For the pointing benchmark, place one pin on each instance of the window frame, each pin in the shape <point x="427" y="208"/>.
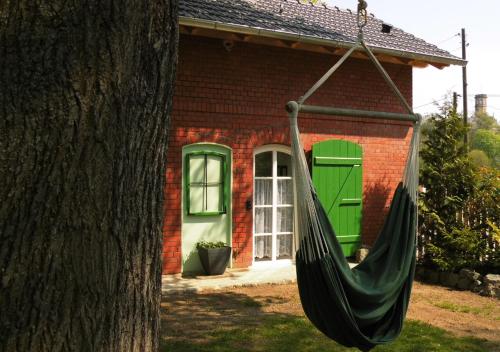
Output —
<point x="224" y="183"/>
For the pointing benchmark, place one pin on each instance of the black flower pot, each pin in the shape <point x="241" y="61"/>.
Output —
<point x="214" y="260"/>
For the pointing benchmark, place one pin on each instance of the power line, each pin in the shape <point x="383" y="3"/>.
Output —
<point x="489" y="95"/>
<point x="458" y="48"/>
<point x="432" y="102"/>
<point x="450" y="38"/>
<point x="469" y="97"/>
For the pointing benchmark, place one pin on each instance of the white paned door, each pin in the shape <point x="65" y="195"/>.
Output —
<point x="273" y="206"/>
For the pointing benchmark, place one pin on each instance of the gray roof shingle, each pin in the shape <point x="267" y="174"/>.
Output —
<point x="331" y="24"/>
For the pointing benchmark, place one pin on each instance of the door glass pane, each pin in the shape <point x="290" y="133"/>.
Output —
<point x="284" y="246"/>
<point x="284" y="164"/>
<point x="284" y="219"/>
<point x="196" y="198"/>
<point x="264" y="164"/>
<point x="197" y="168"/>
<point x="214" y="168"/>
<point x="285" y="191"/>
<point x="263" y="250"/>
<point x="213" y="198"/>
<point x="263" y="192"/>
<point x="263" y="220"/>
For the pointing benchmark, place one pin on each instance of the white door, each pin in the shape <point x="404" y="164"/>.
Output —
<point x="273" y="206"/>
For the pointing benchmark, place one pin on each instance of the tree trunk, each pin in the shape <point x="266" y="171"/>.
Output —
<point x="85" y="95"/>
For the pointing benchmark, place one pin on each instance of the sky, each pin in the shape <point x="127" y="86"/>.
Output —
<point x="439" y="22"/>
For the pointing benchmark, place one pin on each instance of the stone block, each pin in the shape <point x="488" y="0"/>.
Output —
<point x="476" y="286"/>
<point x="361" y="254"/>
<point x="464" y="283"/>
<point x="470" y="274"/>
<point x="491" y="286"/>
<point x="449" y="279"/>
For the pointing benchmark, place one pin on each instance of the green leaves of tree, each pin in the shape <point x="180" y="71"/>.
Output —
<point x="460" y="208"/>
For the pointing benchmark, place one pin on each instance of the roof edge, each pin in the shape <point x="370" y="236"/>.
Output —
<point x="261" y="32"/>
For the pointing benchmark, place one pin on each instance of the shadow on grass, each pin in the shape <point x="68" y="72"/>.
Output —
<point x="228" y="321"/>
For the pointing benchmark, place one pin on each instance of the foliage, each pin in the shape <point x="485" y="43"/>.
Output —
<point x="485" y="136"/>
<point x="206" y="244"/>
<point x="484" y="122"/>
<point x="489" y="142"/>
<point x="460" y="208"/>
<point x="446" y="172"/>
<point x="484" y="206"/>
<point x="462" y="247"/>
<point x="479" y="158"/>
<point x="483" y="213"/>
<point x="425" y="128"/>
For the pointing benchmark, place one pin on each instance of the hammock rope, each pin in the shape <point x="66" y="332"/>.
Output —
<point x="365" y="306"/>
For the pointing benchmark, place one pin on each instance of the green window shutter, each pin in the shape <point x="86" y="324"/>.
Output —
<point x="205" y="180"/>
<point x="338" y="179"/>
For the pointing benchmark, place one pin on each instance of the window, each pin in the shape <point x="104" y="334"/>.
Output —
<point x="205" y="183"/>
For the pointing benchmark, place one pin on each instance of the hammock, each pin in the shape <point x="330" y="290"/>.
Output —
<point x="365" y="306"/>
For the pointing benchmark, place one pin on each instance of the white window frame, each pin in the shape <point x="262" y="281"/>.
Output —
<point x="274" y="148"/>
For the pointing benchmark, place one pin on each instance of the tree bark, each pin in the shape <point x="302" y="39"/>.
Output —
<point x="85" y="95"/>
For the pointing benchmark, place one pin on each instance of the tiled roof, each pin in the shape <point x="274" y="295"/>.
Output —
<point x="316" y="21"/>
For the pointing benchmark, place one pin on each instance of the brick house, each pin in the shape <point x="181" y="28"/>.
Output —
<point x="228" y="174"/>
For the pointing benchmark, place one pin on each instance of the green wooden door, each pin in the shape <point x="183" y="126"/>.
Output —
<point x="337" y="177"/>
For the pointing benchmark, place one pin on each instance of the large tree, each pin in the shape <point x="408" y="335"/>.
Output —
<point x="85" y="94"/>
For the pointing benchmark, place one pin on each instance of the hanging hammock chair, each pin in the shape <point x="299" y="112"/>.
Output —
<point x="365" y="306"/>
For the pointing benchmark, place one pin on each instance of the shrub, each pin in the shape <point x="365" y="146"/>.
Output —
<point x="460" y="248"/>
<point x="206" y="244"/>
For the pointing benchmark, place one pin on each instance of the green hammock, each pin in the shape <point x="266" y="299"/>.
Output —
<point x="365" y="306"/>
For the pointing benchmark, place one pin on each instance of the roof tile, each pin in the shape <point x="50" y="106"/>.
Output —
<point x="305" y="19"/>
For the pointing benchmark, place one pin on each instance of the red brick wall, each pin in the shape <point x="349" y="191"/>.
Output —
<point x="237" y="98"/>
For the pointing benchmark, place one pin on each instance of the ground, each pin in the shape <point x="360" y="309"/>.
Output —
<point x="270" y="318"/>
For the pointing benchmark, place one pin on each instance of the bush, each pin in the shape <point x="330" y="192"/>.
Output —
<point x="483" y="215"/>
<point x="461" y="248"/>
<point x="205" y="244"/>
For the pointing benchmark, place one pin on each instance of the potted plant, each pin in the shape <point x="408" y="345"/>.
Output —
<point x="214" y="256"/>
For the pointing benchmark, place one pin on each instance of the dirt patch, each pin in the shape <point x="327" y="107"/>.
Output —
<point x="189" y="314"/>
<point x="461" y="312"/>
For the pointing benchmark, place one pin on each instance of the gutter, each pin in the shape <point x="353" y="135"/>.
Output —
<point x="261" y="32"/>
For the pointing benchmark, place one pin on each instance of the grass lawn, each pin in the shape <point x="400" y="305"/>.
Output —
<point x="486" y="311"/>
<point x="287" y="334"/>
<point x="270" y="318"/>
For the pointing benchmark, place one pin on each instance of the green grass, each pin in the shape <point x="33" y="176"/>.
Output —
<point x="485" y="311"/>
<point x="297" y="334"/>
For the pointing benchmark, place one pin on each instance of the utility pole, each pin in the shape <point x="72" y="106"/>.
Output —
<point x="464" y="82"/>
